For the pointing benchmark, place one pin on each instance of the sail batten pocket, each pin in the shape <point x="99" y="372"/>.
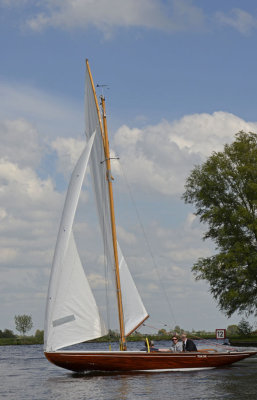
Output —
<point x="64" y="320"/>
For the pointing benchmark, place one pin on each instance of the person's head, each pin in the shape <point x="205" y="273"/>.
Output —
<point x="174" y="339"/>
<point x="183" y="337"/>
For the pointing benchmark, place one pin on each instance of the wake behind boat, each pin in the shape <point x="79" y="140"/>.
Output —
<point x="72" y="313"/>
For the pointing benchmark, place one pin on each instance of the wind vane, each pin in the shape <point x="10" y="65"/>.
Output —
<point x="103" y="87"/>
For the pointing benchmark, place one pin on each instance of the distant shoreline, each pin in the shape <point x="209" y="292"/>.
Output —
<point x="31" y="340"/>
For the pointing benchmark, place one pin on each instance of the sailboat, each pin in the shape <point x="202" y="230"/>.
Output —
<point x="72" y="313"/>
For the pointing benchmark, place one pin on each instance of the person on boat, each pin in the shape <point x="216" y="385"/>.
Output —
<point x="187" y="344"/>
<point x="176" y="346"/>
<point x="151" y="346"/>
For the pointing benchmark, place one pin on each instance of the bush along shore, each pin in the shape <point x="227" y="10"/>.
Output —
<point x="38" y="338"/>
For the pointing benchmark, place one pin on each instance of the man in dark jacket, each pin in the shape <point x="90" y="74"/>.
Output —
<point x="187" y="344"/>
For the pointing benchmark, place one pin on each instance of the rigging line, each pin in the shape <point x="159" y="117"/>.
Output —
<point x="151" y="326"/>
<point x="160" y="323"/>
<point x="149" y="247"/>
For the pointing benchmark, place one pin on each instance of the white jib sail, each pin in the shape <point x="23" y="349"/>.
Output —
<point x="133" y="307"/>
<point x="72" y="315"/>
<point x="134" y="310"/>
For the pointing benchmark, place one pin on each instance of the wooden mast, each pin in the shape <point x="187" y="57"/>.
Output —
<point x="114" y="236"/>
<point x="104" y="133"/>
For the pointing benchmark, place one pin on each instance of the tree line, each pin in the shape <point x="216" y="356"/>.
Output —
<point x="244" y="328"/>
<point x="23" y="324"/>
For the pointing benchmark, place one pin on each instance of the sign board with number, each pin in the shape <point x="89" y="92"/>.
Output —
<point x="220" y="333"/>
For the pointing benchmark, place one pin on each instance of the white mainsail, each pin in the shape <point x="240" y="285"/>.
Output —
<point x="133" y="307"/>
<point x="72" y="315"/>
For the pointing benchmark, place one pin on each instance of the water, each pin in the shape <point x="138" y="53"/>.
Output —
<point x="25" y="374"/>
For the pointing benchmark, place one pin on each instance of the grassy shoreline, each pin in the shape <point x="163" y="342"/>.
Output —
<point x="19" y="341"/>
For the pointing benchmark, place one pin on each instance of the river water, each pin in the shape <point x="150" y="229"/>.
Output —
<point x="25" y="374"/>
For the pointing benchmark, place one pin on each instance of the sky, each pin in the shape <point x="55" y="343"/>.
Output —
<point x="181" y="82"/>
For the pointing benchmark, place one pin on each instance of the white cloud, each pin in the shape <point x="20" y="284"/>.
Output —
<point x="30" y="209"/>
<point x="105" y="15"/>
<point x="158" y="158"/>
<point x="8" y="255"/>
<point x="20" y="142"/>
<point x="68" y="150"/>
<point x="96" y="281"/>
<point x="69" y="14"/>
<point x="238" y="19"/>
<point x="125" y="236"/>
<point x="28" y="216"/>
<point x="22" y="182"/>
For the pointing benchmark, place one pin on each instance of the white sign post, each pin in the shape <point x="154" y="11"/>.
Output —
<point x="221" y="334"/>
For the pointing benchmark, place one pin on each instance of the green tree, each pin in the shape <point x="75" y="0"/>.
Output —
<point x="244" y="328"/>
<point x="113" y="334"/>
<point x="224" y="192"/>
<point x="7" y="333"/>
<point x="232" y="330"/>
<point x="178" y="330"/>
<point x="162" y="331"/>
<point x="39" y="335"/>
<point x="23" y="323"/>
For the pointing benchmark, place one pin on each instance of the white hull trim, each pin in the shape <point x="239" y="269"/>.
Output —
<point x="175" y="369"/>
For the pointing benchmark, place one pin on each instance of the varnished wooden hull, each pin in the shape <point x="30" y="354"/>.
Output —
<point x="140" y="361"/>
